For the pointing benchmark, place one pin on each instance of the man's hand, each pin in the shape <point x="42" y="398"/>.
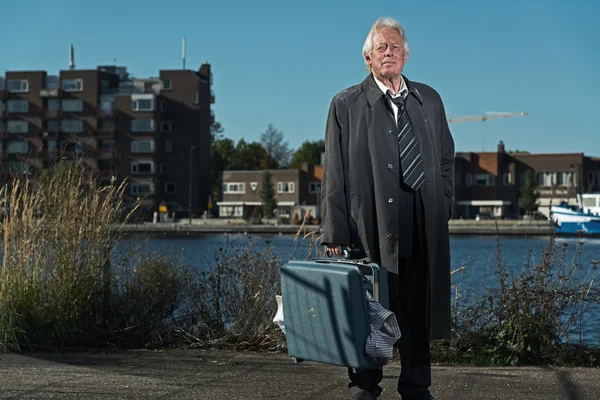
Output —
<point x="335" y="249"/>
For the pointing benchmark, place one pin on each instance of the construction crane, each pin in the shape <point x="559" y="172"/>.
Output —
<point x="488" y="115"/>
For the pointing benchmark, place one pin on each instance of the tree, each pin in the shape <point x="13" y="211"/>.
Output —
<point x="309" y="152"/>
<point x="222" y="152"/>
<point x="267" y="195"/>
<point x="529" y="193"/>
<point x="249" y="157"/>
<point x="278" y="149"/>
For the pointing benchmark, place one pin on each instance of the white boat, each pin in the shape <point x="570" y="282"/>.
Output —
<point x="572" y="219"/>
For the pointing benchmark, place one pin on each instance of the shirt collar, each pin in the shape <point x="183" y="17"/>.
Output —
<point x="403" y="89"/>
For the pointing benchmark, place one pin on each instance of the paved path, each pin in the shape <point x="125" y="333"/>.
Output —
<point x="191" y="374"/>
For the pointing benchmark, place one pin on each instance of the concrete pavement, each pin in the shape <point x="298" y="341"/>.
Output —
<point x="212" y="375"/>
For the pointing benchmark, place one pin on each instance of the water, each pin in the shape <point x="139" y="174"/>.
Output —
<point x="475" y="254"/>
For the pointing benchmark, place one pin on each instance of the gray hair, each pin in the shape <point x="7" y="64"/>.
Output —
<point x="383" y="22"/>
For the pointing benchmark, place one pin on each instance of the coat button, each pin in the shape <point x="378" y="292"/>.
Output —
<point x="390" y="133"/>
<point x="389" y="236"/>
<point x="390" y="166"/>
<point x="390" y="200"/>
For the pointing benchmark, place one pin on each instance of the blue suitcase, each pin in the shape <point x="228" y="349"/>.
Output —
<point x="325" y="309"/>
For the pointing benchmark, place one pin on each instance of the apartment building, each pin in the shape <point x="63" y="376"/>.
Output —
<point x="296" y="192"/>
<point x="491" y="182"/>
<point x="154" y="132"/>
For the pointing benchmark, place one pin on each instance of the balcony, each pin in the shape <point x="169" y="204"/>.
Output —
<point x="50" y="92"/>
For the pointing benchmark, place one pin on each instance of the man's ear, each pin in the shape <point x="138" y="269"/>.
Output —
<point x="367" y="58"/>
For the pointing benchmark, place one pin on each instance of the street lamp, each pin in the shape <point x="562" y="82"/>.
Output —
<point x="190" y="183"/>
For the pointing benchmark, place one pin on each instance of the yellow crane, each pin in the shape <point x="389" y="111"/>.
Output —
<point x="488" y="115"/>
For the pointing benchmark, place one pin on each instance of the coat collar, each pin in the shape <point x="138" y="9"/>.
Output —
<point x="374" y="93"/>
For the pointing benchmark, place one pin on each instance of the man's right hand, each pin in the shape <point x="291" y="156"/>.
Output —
<point x="335" y="249"/>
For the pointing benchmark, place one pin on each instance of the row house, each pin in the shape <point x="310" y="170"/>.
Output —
<point x="490" y="182"/>
<point x="296" y="191"/>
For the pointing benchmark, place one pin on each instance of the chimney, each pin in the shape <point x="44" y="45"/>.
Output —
<point x="501" y="147"/>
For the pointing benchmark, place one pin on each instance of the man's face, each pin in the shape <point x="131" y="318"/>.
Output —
<point x="387" y="58"/>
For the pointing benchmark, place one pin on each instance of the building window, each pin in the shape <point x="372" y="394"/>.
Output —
<point x="170" y="188"/>
<point x="231" y="211"/>
<point x="17" y="85"/>
<point x="17" y="106"/>
<point x="51" y="82"/>
<point x="546" y="179"/>
<point x="166" y="84"/>
<point x="141" y="189"/>
<point x="168" y="146"/>
<point x="593" y="177"/>
<point x="71" y="125"/>
<point x="314" y="187"/>
<point x="53" y="104"/>
<point x="17" y="147"/>
<point x="51" y="145"/>
<point x="196" y="98"/>
<point x="17" y="126"/>
<point x="234" y="187"/>
<point x="142" y="146"/>
<point x="142" y="167"/>
<point x="72" y="85"/>
<point x="107" y="144"/>
<point x="469" y="180"/>
<point x="142" y="105"/>
<point x="484" y="180"/>
<point x="163" y="106"/>
<point x="106" y="105"/>
<point x="285" y="187"/>
<point x="142" y="125"/>
<point x="53" y="125"/>
<point x="72" y="105"/>
<point x="165" y="126"/>
<point x="566" y="179"/>
<point x="506" y="179"/>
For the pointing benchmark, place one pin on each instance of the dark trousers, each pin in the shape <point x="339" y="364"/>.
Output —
<point x="408" y="301"/>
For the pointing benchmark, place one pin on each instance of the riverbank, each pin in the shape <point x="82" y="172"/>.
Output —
<point x="457" y="227"/>
<point x="208" y="375"/>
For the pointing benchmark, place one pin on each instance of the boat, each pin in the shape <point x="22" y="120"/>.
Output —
<point x="585" y="218"/>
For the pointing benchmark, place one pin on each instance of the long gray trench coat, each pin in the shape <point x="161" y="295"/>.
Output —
<point x="361" y="180"/>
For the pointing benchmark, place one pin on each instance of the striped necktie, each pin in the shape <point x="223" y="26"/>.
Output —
<point x="408" y="147"/>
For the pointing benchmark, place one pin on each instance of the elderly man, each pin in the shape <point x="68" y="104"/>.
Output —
<point x="388" y="193"/>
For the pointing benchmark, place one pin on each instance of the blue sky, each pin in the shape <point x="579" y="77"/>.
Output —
<point x="281" y="62"/>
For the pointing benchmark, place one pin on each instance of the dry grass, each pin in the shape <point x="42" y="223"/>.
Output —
<point x="59" y="286"/>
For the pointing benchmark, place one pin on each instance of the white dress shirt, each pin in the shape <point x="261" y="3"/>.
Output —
<point x="402" y="92"/>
